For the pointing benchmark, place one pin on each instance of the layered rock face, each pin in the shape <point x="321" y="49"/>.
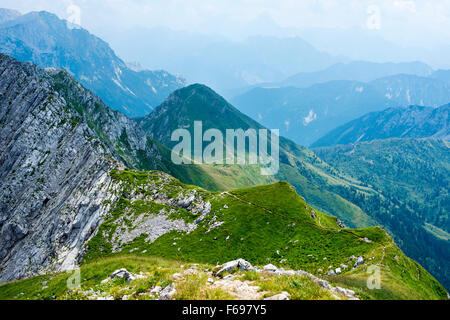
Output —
<point x="53" y="173"/>
<point x="59" y="144"/>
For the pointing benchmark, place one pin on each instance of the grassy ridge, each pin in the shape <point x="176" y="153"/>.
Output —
<point x="311" y="177"/>
<point x="266" y="224"/>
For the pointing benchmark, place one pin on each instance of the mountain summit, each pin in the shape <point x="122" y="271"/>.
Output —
<point x="196" y="102"/>
<point x="88" y="58"/>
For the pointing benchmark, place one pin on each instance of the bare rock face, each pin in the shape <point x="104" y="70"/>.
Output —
<point x="54" y="175"/>
<point x="59" y="144"/>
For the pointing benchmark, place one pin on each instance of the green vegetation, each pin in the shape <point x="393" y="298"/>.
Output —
<point x="155" y="272"/>
<point x="413" y="177"/>
<point x="398" y="275"/>
<point x="266" y="224"/>
<point x="54" y="286"/>
<point x="298" y="287"/>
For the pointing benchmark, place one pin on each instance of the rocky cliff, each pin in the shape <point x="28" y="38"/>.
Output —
<point x="53" y="171"/>
<point x="59" y="143"/>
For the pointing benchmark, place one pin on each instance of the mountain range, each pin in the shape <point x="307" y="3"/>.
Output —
<point x="67" y="199"/>
<point x="311" y="177"/>
<point x="410" y="122"/>
<point x="361" y="71"/>
<point x="307" y="114"/>
<point x="330" y="189"/>
<point x="88" y="58"/>
<point x="236" y="63"/>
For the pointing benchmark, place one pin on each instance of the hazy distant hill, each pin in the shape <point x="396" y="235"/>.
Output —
<point x="307" y="114"/>
<point x="443" y="75"/>
<point x="356" y="71"/>
<point x="408" y="90"/>
<point x="219" y="62"/>
<point x="8" y="14"/>
<point x="411" y="122"/>
<point x="46" y="40"/>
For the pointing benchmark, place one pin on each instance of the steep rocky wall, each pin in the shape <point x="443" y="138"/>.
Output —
<point x="53" y="173"/>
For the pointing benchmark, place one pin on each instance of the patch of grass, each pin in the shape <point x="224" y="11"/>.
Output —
<point x="192" y="287"/>
<point x="159" y="272"/>
<point x="217" y="294"/>
<point x="299" y="287"/>
<point x="251" y="276"/>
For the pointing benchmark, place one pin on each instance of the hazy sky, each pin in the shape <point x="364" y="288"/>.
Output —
<point x="407" y="22"/>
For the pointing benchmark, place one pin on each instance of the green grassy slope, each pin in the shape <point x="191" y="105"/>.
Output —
<point x="158" y="272"/>
<point x="266" y="224"/>
<point x="312" y="178"/>
<point x="414" y="175"/>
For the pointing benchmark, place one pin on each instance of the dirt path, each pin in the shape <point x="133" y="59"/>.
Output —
<point x="384" y="254"/>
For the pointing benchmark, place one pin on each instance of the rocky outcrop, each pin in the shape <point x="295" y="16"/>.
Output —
<point x="240" y="264"/>
<point x="54" y="174"/>
<point x="59" y="144"/>
<point x="271" y="269"/>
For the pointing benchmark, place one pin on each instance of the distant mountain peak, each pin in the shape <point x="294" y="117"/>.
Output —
<point x="89" y="59"/>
